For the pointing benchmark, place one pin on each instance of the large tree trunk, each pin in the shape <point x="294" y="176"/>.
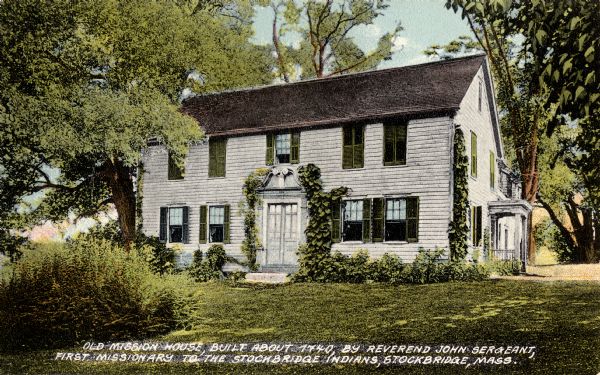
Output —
<point x="123" y="197"/>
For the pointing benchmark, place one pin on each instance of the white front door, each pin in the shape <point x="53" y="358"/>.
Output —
<point x="282" y="234"/>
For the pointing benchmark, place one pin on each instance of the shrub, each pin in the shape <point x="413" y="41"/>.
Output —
<point x="210" y="268"/>
<point x="61" y="294"/>
<point x="428" y="267"/>
<point x="160" y="258"/>
<point x="505" y="267"/>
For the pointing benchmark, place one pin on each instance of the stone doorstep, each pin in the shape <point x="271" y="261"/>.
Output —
<point x="268" y="278"/>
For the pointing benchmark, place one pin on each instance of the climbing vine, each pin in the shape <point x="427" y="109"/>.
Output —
<point x="458" y="230"/>
<point x="251" y="242"/>
<point x="315" y="255"/>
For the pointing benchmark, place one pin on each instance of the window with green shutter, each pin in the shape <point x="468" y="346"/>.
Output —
<point x="217" y="149"/>
<point x="394" y="145"/>
<point x="473" y="154"/>
<point x="378" y="222"/>
<point x="401" y="219"/>
<point x="492" y="170"/>
<point x="174" y="225"/>
<point x="283" y="148"/>
<point x="174" y="172"/>
<point x="353" y="147"/>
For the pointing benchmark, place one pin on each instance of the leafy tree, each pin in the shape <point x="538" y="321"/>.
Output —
<point x="324" y="29"/>
<point x="87" y="83"/>
<point x="554" y="67"/>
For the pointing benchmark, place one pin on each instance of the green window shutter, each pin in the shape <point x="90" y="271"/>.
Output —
<point x="217" y="149"/>
<point x="173" y="171"/>
<point x="401" y="131"/>
<point x="359" y="143"/>
<point x="226" y="225"/>
<point x="203" y="228"/>
<point x="295" y="148"/>
<point x="412" y="219"/>
<point x="378" y="220"/>
<point x="222" y="157"/>
<point x="348" y="149"/>
<point x="335" y="222"/>
<point x="492" y="170"/>
<point x="473" y="154"/>
<point x="366" y="237"/>
<point x="270" y="156"/>
<point x="162" y="230"/>
<point x="185" y="226"/>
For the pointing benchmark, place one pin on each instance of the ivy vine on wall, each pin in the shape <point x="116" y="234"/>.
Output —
<point x="251" y="242"/>
<point x="458" y="229"/>
<point x="315" y="255"/>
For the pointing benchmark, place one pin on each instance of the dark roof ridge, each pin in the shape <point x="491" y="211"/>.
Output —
<point x="339" y="77"/>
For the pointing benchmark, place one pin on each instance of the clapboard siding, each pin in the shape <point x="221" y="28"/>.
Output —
<point x="469" y="118"/>
<point x="426" y="175"/>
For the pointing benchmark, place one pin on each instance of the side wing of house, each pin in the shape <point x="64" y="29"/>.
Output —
<point x="488" y="178"/>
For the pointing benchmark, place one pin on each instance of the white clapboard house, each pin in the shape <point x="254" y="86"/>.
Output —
<point x="387" y="135"/>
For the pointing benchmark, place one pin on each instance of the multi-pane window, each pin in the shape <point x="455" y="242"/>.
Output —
<point x="394" y="148"/>
<point x="173" y="224"/>
<point x="473" y="154"/>
<point x="282" y="148"/>
<point x="353" y="149"/>
<point x="395" y="220"/>
<point x="216" y="223"/>
<point x="174" y="172"/>
<point x="353" y="220"/>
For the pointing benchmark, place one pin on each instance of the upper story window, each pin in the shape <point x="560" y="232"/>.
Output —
<point x="492" y="170"/>
<point x="283" y="148"/>
<point x="353" y="220"/>
<point x="394" y="148"/>
<point x="353" y="149"/>
<point x="174" y="172"/>
<point x="480" y="96"/>
<point x="173" y="224"/>
<point x="217" y="157"/>
<point x="473" y="154"/>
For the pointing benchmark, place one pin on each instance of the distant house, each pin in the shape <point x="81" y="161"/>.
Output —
<point x="387" y="135"/>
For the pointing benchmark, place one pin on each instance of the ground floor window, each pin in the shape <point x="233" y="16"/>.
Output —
<point x="173" y="224"/>
<point x="476" y="232"/>
<point x="216" y="218"/>
<point x="353" y="220"/>
<point x="395" y="220"/>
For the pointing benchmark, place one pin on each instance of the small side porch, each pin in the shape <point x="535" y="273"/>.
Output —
<point x="509" y="228"/>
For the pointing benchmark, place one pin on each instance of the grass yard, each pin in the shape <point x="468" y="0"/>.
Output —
<point x="562" y="319"/>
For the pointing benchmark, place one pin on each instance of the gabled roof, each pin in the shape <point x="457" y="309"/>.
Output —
<point x="417" y="90"/>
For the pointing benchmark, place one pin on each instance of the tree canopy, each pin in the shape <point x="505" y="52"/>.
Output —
<point x="87" y="83"/>
<point x="324" y="30"/>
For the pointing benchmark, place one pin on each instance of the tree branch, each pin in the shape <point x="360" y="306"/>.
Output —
<point x="563" y="230"/>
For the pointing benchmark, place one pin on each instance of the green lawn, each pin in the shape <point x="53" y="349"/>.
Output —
<point x="562" y="319"/>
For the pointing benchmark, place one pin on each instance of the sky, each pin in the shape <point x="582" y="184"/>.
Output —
<point x="425" y="22"/>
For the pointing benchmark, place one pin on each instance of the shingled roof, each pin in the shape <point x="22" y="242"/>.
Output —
<point x="416" y="90"/>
